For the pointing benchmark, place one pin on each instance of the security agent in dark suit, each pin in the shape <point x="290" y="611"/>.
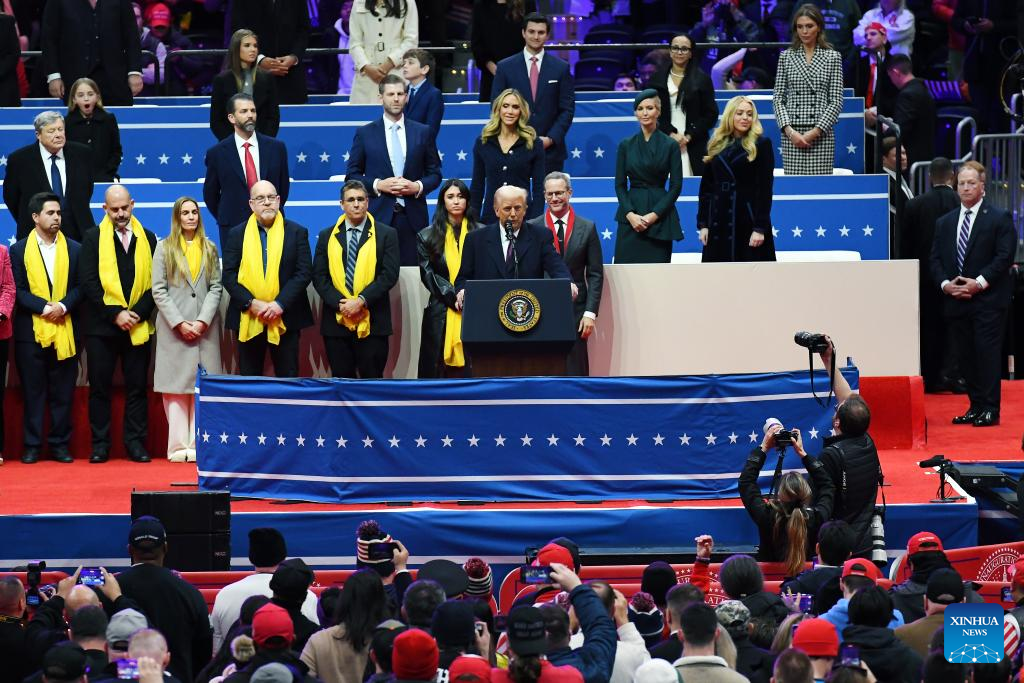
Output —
<point x="283" y="28"/>
<point x="108" y="328"/>
<point x="108" y="51"/>
<point x="356" y="347"/>
<point x="489" y="254"/>
<point x="289" y="306"/>
<point x="920" y="215"/>
<point x="552" y="98"/>
<point x="970" y="263"/>
<point x="33" y="169"/>
<point x="914" y="111"/>
<point x="396" y="159"/>
<point x="48" y="379"/>
<point x="229" y="176"/>
<point x="577" y="241"/>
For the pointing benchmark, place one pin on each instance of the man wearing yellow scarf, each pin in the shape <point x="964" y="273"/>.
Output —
<point x="355" y="266"/>
<point x="116" y="277"/>
<point x="267" y="268"/>
<point x="45" y="265"/>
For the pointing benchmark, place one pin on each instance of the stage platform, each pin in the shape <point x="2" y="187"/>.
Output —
<point x="72" y="514"/>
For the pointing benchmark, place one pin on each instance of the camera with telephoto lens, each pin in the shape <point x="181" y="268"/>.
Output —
<point x="33" y="577"/>
<point x="815" y="342"/>
<point x="784" y="437"/>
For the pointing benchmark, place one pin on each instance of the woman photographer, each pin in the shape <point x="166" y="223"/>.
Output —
<point x="788" y="522"/>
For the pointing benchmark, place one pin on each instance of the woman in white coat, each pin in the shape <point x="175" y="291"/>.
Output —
<point x="187" y="291"/>
<point x="380" y="32"/>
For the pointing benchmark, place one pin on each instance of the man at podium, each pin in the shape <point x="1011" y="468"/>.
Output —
<point x="509" y="249"/>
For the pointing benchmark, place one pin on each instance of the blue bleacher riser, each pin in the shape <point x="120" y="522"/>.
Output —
<point x="169" y="143"/>
<point x="810" y="213"/>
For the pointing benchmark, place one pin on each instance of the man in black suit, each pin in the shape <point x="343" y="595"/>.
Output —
<point x="55" y="165"/>
<point x="545" y="82"/>
<point x="238" y="162"/>
<point x="283" y="28"/>
<point x="98" y="40"/>
<point x="46" y="336"/>
<point x="356" y="318"/>
<point x="920" y="215"/>
<point x="266" y="319"/>
<point x="10" y="54"/>
<point x="970" y="262"/>
<point x="488" y="254"/>
<point x="915" y="109"/>
<point x="118" y="330"/>
<point x="577" y="241"/>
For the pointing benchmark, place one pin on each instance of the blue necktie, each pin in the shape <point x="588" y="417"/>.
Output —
<point x="351" y="253"/>
<point x="961" y="244"/>
<point x="58" y="187"/>
<point x="397" y="157"/>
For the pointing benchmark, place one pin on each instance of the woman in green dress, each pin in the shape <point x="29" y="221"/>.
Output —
<point x="647" y="216"/>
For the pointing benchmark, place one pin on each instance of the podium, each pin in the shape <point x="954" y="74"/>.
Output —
<point x="518" y="328"/>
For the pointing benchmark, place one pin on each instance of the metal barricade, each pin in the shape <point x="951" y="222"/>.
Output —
<point x="1002" y="156"/>
<point x="919" y="181"/>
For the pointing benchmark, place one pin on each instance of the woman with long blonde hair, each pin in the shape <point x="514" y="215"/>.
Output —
<point x="187" y="291"/>
<point x="788" y="521"/>
<point x="507" y="153"/>
<point x="734" y="204"/>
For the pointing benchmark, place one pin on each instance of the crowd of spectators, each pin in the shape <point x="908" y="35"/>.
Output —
<point x="831" y="622"/>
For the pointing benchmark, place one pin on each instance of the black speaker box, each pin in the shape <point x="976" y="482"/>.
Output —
<point x="199" y="552"/>
<point x="198" y="525"/>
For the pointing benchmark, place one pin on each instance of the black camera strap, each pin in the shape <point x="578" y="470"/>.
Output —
<point x="831" y="377"/>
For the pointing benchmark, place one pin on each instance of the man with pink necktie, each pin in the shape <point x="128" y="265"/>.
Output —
<point x="545" y="82"/>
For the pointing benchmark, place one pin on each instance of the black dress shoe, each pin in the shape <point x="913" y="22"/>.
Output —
<point x="30" y="456"/>
<point x="967" y="418"/>
<point x="61" y="454"/>
<point x="98" y="457"/>
<point x="138" y="455"/>
<point x="958" y="386"/>
<point x="986" y="418"/>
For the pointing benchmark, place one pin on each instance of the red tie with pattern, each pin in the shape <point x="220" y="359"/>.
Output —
<point x="534" y="77"/>
<point x="251" y="178"/>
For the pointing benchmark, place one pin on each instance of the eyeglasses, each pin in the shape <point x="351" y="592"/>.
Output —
<point x="682" y="49"/>
<point x="556" y="194"/>
<point x="268" y="199"/>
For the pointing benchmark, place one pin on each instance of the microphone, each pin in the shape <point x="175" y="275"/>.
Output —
<point x="508" y="230"/>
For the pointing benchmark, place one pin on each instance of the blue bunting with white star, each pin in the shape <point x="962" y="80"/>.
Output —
<point x="538" y="439"/>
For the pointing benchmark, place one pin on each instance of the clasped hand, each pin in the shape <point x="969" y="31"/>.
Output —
<point x="353" y="309"/>
<point x="641" y="223"/>
<point x="126" y="319"/>
<point x="962" y="288"/>
<point x="398" y="186"/>
<point x="266" y="311"/>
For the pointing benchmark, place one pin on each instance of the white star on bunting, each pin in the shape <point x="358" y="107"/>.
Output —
<point x="446" y="441"/>
<point x="394" y="441"/>
<point x="367" y="442"/>
<point x="262" y="439"/>
<point x="342" y="442"/>
<point x="851" y="148"/>
<point x="606" y="234"/>
<point x="206" y="438"/>
<point x="599" y="153"/>
<point x="631" y="439"/>
<point x="421" y="442"/>
<point x="733" y="437"/>
<point x="579" y="439"/>
<point x="775" y="231"/>
<point x="345" y="156"/>
<point x="473" y="441"/>
<point x="844" y="231"/>
<point x="576" y="152"/>
<point x="684" y="440"/>
<point x="3" y="161"/>
<point x="280" y="439"/>
<point x="711" y="439"/>
<point x="606" y="440"/>
<point x="820" y="231"/>
<point x="163" y="159"/>
<point x="658" y="439"/>
<point x="300" y="440"/>
<point x="325" y="157"/>
<point x="242" y="438"/>
<point x="462" y="155"/>
<point x="186" y="158"/>
<point x="499" y="440"/>
<point x="224" y="437"/>
<point x="798" y="231"/>
<point x="11" y="240"/>
<point x="753" y="437"/>
<point x="813" y="432"/>
<point x="141" y="159"/>
<point x="527" y="440"/>
<point x="552" y="440"/>
<point x="300" y="157"/>
<point x="441" y="155"/>
<point x="868" y="230"/>
<point x="320" y="440"/>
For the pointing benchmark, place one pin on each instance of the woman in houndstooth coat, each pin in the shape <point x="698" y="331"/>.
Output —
<point x="808" y="96"/>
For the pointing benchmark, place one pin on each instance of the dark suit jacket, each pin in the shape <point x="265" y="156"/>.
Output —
<point x="484" y="259"/>
<point x="376" y="294"/>
<point x="225" y="191"/>
<point x="73" y="50"/>
<point x="427" y="107"/>
<point x="98" y="316"/>
<point x="920" y="216"/>
<point x="368" y="162"/>
<point x="27" y="175"/>
<point x="101" y="135"/>
<point x="584" y="260"/>
<point x="10" y="53"/>
<point x="283" y="28"/>
<point x="294" y="276"/>
<point x="915" y="114"/>
<point x="698" y="102"/>
<point x="28" y="303"/>
<point x="552" y="111"/>
<point x="264" y="94"/>
<point x="859" y="73"/>
<point x="989" y="253"/>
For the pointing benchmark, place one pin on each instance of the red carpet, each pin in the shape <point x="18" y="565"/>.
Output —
<point x="48" y="487"/>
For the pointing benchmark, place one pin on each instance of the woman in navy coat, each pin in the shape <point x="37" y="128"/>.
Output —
<point x="507" y="153"/>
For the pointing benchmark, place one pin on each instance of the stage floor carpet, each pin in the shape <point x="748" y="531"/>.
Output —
<point x="39" y="500"/>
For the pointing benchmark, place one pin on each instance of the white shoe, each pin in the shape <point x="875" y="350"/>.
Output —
<point x="190" y="455"/>
<point x="178" y="456"/>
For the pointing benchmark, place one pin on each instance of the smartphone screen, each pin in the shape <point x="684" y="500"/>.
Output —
<point x="500" y="623"/>
<point x="128" y="669"/>
<point x="849" y="655"/>
<point x="381" y="551"/>
<point x="535" y="575"/>
<point x="91" y="576"/>
<point x="1007" y="594"/>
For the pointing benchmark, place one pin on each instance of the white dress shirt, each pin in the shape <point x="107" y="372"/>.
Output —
<point x="529" y="55"/>
<point x="388" y="123"/>
<point x="504" y="239"/>
<point x="254" y="149"/>
<point x="975" y="210"/>
<point x="61" y="166"/>
<point x="49" y="253"/>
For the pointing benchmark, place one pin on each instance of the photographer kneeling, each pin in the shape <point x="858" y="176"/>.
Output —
<point x="851" y="460"/>
<point x="787" y="522"/>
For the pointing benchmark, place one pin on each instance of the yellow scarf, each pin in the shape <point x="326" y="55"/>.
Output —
<point x="60" y="335"/>
<point x="453" y="353"/>
<point x="110" y="278"/>
<point x="263" y="286"/>
<point x="193" y="255"/>
<point x="366" y="268"/>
